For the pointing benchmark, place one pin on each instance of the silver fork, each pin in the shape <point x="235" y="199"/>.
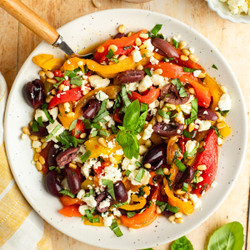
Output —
<point x="39" y="26"/>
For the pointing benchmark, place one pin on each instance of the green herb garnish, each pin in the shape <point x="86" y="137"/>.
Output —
<point x="140" y="175"/>
<point x="110" y="186"/>
<point x="85" y="156"/>
<point x="194" y="112"/>
<point x="147" y="71"/>
<point x="180" y="165"/>
<point x="110" y="54"/>
<point x="115" y="228"/>
<point x="180" y="88"/>
<point x="67" y="192"/>
<point x="214" y="66"/>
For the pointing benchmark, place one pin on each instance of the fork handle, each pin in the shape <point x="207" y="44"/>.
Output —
<point x="30" y="19"/>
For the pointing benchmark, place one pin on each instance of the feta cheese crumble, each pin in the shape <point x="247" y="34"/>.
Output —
<point x="136" y="54"/>
<point x="225" y="102"/>
<point x="101" y="96"/>
<point x="98" y="82"/>
<point x="148" y="132"/>
<point x="203" y="125"/>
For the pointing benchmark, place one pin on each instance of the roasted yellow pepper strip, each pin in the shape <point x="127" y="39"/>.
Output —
<point x="98" y="224"/>
<point x="108" y="71"/>
<point x="47" y="61"/>
<point x="138" y="203"/>
<point x="184" y="206"/>
<point x="225" y="131"/>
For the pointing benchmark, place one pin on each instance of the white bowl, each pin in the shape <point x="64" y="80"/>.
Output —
<point x="223" y="11"/>
<point x="92" y="29"/>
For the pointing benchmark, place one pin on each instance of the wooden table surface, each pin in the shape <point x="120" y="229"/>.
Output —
<point x="233" y="40"/>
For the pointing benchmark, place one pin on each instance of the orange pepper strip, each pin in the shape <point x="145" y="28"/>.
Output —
<point x="149" y="98"/>
<point x="97" y="224"/>
<point x="68" y="201"/>
<point x="184" y="206"/>
<point x="70" y="211"/>
<point x="138" y="203"/>
<point x="145" y="218"/>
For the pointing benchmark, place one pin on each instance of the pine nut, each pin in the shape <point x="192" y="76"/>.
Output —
<point x="158" y="210"/>
<point x="144" y="36"/>
<point x="26" y="130"/>
<point x="49" y="98"/>
<point x="148" y="53"/>
<point x="202" y="75"/>
<point x="161" y="103"/>
<point x="165" y="171"/>
<point x="138" y="41"/>
<point x="171" y="218"/>
<point x="221" y="118"/>
<point x="158" y="71"/>
<point x="53" y="92"/>
<point x="182" y="44"/>
<point x="72" y="165"/>
<point x="200" y="179"/>
<point x="142" y="149"/>
<point x="121" y="29"/>
<point x="43" y="139"/>
<point x="179" y="192"/>
<point x="148" y="143"/>
<point x="100" y="49"/>
<point x="202" y="167"/>
<point x="159" y="118"/>
<point x="191" y="127"/>
<point x="52" y="81"/>
<point x="61" y="87"/>
<point x="191" y="91"/>
<point x="179" y="220"/>
<point x="39" y="166"/>
<point x="49" y="74"/>
<point x="73" y="86"/>
<point x="113" y="47"/>
<point x="130" y="34"/>
<point x="143" y="46"/>
<point x="194" y="58"/>
<point x="36" y="157"/>
<point x="41" y="73"/>
<point x="102" y="141"/>
<point x="44" y="145"/>
<point x="184" y="58"/>
<point x="147" y="165"/>
<point x="139" y="67"/>
<point x="34" y="138"/>
<point x="83" y="135"/>
<point x="178" y="215"/>
<point x="122" y="58"/>
<point x="220" y="125"/>
<point x="41" y="160"/>
<point x="186" y="52"/>
<point x="38" y="150"/>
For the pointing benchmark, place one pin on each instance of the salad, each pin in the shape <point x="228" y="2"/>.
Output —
<point x="130" y="134"/>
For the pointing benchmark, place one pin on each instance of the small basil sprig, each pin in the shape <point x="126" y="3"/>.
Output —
<point x="133" y="124"/>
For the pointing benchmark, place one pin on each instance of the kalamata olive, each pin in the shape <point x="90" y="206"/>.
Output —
<point x="167" y="213"/>
<point x="170" y="129"/>
<point x="119" y="35"/>
<point x="66" y="156"/>
<point x="149" y="117"/>
<point x="121" y="194"/>
<point x="52" y="184"/>
<point x="92" y="109"/>
<point x="73" y="179"/>
<point x="165" y="48"/>
<point x="207" y="114"/>
<point x="129" y="76"/>
<point x="34" y="93"/>
<point x="101" y="197"/>
<point x="170" y="94"/>
<point x="52" y="153"/>
<point x="186" y="176"/>
<point x="42" y="131"/>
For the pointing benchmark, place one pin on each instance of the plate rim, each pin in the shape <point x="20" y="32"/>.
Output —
<point x="200" y="35"/>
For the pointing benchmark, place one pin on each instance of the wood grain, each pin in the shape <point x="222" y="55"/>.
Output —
<point x="231" y="39"/>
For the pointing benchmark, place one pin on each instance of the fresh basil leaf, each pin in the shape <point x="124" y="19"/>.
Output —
<point x="128" y="172"/>
<point x="175" y="43"/>
<point x="45" y="110"/>
<point x="180" y="88"/>
<point x="217" y="131"/>
<point x="185" y="187"/>
<point x="114" y="129"/>
<point x="187" y="134"/>
<point x="35" y="126"/>
<point x="156" y="29"/>
<point x="124" y="96"/>
<point x="72" y="125"/>
<point x="164" y="114"/>
<point x="40" y="121"/>
<point x="172" y="208"/>
<point x="129" y="144"/>
<point x="140" y="175"/>
<point x="120" y="204"/>
<point x="115" y="60"/>
<point x="103" y="133"/>
<point x="144" y="107"/>
<point x="87" y="123"/>
<point x="110" y="54"/>
<point x="127" y="47"/>
<point x="67" y="192"/>
<point x="60" y="80"/>
<point x="214" y="66"/>
<point x="192" y="153"/>
<point x="162" y="205"/>
<point x="182" y="244"/>
<point x="102" y="112"/>
<point x="195" y="179"/>
<point x="93" y="133"/>
<point x="118" y="102"/>
<point x="131" y="116"/>
<point x="194" y="112"/>
<point x="141" y="122"/>
<point x="227" y="237"/>
<point x="147" y="71"/>
<point x="110" y="186"/>
<point x="159" y="171"/>
<point x="58" y="126"/>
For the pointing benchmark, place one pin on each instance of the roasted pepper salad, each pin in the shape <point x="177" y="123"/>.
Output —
<point x="130" y="134"/>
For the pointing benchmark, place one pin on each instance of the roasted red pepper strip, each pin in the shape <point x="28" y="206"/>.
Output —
<point x="79" y="128"/>
<point x="124" y="45"/>
<point x="99" y="170"/>
<point x="67" y="96"/>
<point x="145" y="218"/>
<point x="117" y="115"/>
<point x="150" y="97"/>
<point x="68" y="201"/>
<point x="174" y="71"/>
<point x="208" y="157"/>
<point x="70" y="211"/>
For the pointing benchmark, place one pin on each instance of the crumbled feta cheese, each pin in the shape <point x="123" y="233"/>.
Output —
<point x="90" y="201"/>
<point x="144" y="180"/>
<point x="191" y="49"/>
<point x="109" y="120"/>
<point x="220" y="141"/>
<point x="225" y="102"/>
<point x="85" y="169"/>
<point x="203" y="125"/>
<point x="105" y="203"/>
<point x="65" y="88"/>
<point x="149" y="45"/>
<point x="82" y="209"/>
<point x="186" y="108"/>
<point x="107" y="220"/>
<point x="80" y="194"/>
<point x="132" y="86"/>
<point x="153" y="60"/>
<point x="98" y="82"/>
<point x="148" y="132"/>
<point x="129" y="164"/>
<point x="136" y="54"/>
<point x="152" y="107"/>
<point x="51" y="127"/>
<point x="197" y="73"/>
<point x="145" y="83"/>
<point x="101" y="96"/>
<point x="116" y="212"/>
<point x="112" y="173"/>
<point x="40" y="113"/>
<point x="179" y="118"/>
<point x="110" y="104"/>
<point x="24" y="136"/>
<point x="66" y="107"/>
<point x="238" y="6"/>
<point x="54" y="112"/>
<point x="190" y="145"/>
<point x="214" y="184"/>
<point x="119" y="152"/>
<point x="111" y="144"/>
<point x="36" y="144"/>
<point x="157" y="79"/>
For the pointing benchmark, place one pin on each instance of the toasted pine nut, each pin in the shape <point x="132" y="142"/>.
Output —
<point x="142" y="149"/>
<point x="178" y="215"/>
<point x="202" y="167"/>
<point x="49" y="74"/>
<point x="191" y="91"/>
<point x="220" y="125"/>
<point x="26" y="130"/>
<point x="34" y="138"/>
<point x="171" y="218"/>
<point x="53" y="92"/>
<point x="38" y="150"/>
<point x="138" y="41"/>
<point x="200" y="179"/>
<point x="41" y="160"/>
<point x="41" y="73"/>
<point x="165" y="171"/>
<point x="186" y="52"/>
<point x="202" y="75"/>
<point x="52" y="81"/>
<point x="61" y="87"/>
<point x="159" y="118"/>
<point x="73" y="86"/>
<point x="102" y="141"/>
<point x="158" y="71"/>
<point x="147" y="165"/>
<point x="184" y="58"/>
<point x="83" y="135"/>
<point x="44" y="145"/>
<point x="121" y="28"/>
<point x="122" y="58"/>
<point x="161" y="103"/>
<point x="182" y="44"/>
<point x="36" y="157"/>
<point x="49" y="98"/>
<point x="221" y="118"/>
<point x="100" y="49"/>
<point x="158" y="210"/>
<point x="179" y="220"/>
<point x="191" y="127"/>
<point x="113" y="47"/>
<point x="143" y="46"/>
<point x="148" y="53"/>
<point x="148" y="143"/>
<point x="39" y="166"/>
<point x="72" y="165"/>
<point x="144" y="36"/>
<point x="194" y="58"/>
<point x="139" y="67"/>
<point x="179" y="192"/>
<point x="43" y="139"/>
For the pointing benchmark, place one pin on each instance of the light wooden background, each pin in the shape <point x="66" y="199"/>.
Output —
<point x="233" y="40"/>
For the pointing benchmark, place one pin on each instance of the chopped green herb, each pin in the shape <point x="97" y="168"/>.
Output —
<point x="180" y="165"/>
<point x="110" y="54"/>
<point x="180" y="88"/>
<point x="175" y="43"/>
<point x="159" y="171"/>
<point x="185" y="187"/>
<point x="144" y="107"/>
<point x="214" y="66"/>
<point x="138" y="163"/>
<point x="185" y="69"/>
<point x="128" y="172"/>
<point x="192" y="153"/>
<point x="67" y="192"/>
<point x="223" y="113"/>
<point x="72" y="125"/>
<point x="172" y="209"/>
<point x="58" y="126"/>
<point x="76" y="81"/>
<point x="95" y="125"/>
<point x="45" y="110"/>
<point x="164" y="114"/>
<point x="52" y="168"/>
<point x="35" y="126"/>
<point x="67" y="140"/>
<point x="131" y="214"/>
<point x="85" y="156"/>
<point x="115" y="60"/>
<point x="217" y="131"/>
<point x="127" y="47"/>
<point x="114" y="129"/>
<point x="103" y="132"/>
<point x="140" y="175"/>
<point x="60" y="80"/>
<point x="195" y="179"/>
<point x="91" y="192"/>
<point x="147" y="71"/>
<point x="40" y="121"/>
<point x="120" y="204"/>
<point x="141" y="191"/>
<point x="87" y="123"/>
<point x="110" y="186"/>
<point x="187" y="134"/>
<point x="202" y="149"/>
<point x="125" y="98"/>
<point x="162" y="205"/>
<point x="194" y="112"/>
<point x="115" y="228"/>
<point x="156" y="29"/>
<point x="93" y="133"/>
<point x="102" y="112"/>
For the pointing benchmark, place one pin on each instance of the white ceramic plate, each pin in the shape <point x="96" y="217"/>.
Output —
<point x="223" y="11"/>
<point x="89" y="30"/>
